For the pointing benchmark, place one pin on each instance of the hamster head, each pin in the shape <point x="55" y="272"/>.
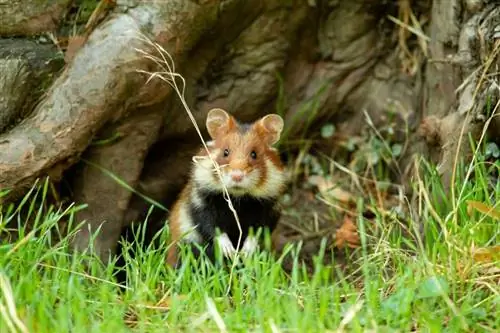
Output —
<point x="248" y="163"/>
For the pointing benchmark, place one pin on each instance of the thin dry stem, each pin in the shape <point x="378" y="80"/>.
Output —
<point x="484" y="73"/>
<point x="169" y="75"/>
<point x="478" y="145"/>
<point x="87" y="276"/>
<point x="418" y="33"/>
<point x="423" y="192"/>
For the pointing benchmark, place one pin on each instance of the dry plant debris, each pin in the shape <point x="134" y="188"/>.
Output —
<point x="75" y="42"/>
<point x="483" y="208"/>
<point x="331" y="191"/>
<point x="163" y="305"/>
<point x="347" y="234"/>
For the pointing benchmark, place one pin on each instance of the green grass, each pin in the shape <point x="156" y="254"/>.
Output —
<point x="398" y="284"/>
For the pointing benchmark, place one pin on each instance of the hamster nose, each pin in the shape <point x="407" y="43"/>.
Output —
<point x="237" y="176"/>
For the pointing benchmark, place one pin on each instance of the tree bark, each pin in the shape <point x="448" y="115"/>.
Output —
<point x="19" y="17"/>
<point x="27" y="68"/>
<point x="343" y="62"/>
<point x="461" y="79"/>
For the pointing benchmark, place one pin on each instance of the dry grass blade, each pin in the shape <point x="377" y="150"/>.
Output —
<point x="411" y="63"/>
<point x="482" y="78"/>
<point x="87" y="276"/>
<point x="169" y="75"/>
<point x="409" y="28"/>
<point x="20" y="243"/>
<point x="425" y="197"/>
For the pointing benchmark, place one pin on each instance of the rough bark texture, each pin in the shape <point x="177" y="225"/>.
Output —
<point x="27" y="68"/>
<point x="15" y="76"/>
<point x="460" y="79"/>
<point x="337" y="60"/>
<point x="20" y="17"/>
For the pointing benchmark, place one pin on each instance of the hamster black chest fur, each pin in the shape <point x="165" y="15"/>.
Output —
<point x="214" y="212"/>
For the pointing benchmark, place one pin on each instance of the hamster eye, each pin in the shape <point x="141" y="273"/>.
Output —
<point x="226" y="152"/>
<point x="253" y="154"/>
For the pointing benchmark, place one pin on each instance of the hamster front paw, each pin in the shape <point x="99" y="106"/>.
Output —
<point x="225" y="245"/>
<point x="250" y="245"/>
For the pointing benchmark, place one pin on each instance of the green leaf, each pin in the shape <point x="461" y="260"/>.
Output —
<point x="351" y="144"/>
<point x="327" y="131"/>
<point x="433" y="287"/>
<point x="399" y="303"/>
<point x="396" y="149"/>
<point x="373" y="157"/>
<point x="492" y="150"/>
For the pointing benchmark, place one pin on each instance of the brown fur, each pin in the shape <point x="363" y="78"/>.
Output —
<point x="175" y="231"/>
<point x="227" y="134"/>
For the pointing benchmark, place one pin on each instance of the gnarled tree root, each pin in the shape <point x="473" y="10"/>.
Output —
<point x="337" y="62"/>
<point x="101" y="86"/>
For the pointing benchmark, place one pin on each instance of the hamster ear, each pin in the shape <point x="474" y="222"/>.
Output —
<point x="271" y="127"/>
<point x="218" y="121"/>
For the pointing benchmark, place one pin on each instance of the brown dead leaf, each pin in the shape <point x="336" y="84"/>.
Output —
<point x="74" y="44"/>
<point x="97" y="16"/>
<point x="483" y="208"/>
<point x="486" y="254"/>
<point x="99" y="13"/>
<point x="330" y="190"/>
<point x="347" y="234"/>
<point x="483" y="262"/>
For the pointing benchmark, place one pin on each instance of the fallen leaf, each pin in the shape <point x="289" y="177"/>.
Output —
<point x="330" y="190"/>
<point x="74" y="44"/>
<point x="347" y="234"/>
<point x="486" y="254"/>
<point x="483" y="208"/>
<point x="97" y="16"/>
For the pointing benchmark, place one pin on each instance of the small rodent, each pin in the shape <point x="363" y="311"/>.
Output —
<point x="254" y="176"/>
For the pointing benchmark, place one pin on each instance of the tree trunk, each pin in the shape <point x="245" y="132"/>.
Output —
<point x="20" y="17"/>
<point x="351" y="63"/>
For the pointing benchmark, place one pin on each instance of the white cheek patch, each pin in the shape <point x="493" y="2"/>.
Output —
<point x="252" y="178"/>
<point x="225" y="245"/>
<point x="203" y="174"/>
<point x="206" y="177"/>
<point x="274" y="183"/>
<point x="250" y="245"/>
